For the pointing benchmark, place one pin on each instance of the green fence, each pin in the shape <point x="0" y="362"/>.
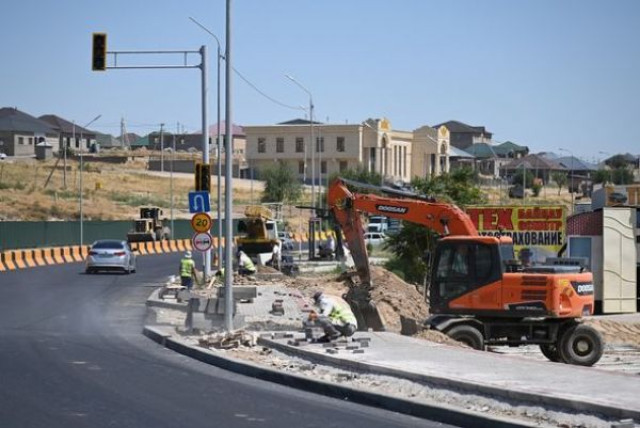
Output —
<point x="34" y="234"/>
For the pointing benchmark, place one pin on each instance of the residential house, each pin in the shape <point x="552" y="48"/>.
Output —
<point x="20" y="132"/>
<point x="463" y="136"/>
<point x="69" y="134"/>
<point x="431" y="152"/>
<point x="337" y="147"/>
<point x="540" y="166"/>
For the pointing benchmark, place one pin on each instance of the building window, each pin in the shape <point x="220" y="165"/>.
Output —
<point x="279" y="145"/>
<point x="30" y="141"/>
<point x="343" y="165"/>
<point x="262" y="145"/>
<point x="299" y="145"/>
<point x="20" y="140"/>
<point x="323" y="167"/>
<point x="320" y="144"/>
<point x="340" y="144"/>
<point x="300" y="167"/>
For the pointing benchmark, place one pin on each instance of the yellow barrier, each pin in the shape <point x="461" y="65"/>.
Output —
<point x="38" y="256"/>
<point x="8" y="260"/>
<point x="57" y="255"/>
<point x="76" y="253"/>
<point x="28" y="258"/>
<point x="17" y="258"/>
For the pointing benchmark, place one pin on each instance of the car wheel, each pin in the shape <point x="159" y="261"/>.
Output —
<point x="89" y="271"/>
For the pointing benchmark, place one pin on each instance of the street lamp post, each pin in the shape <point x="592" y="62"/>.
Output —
<point x="570" y="186"/>
<point x="313" y="168"/>
<point x="218" y="144"/>
<point x="81" y="191"/>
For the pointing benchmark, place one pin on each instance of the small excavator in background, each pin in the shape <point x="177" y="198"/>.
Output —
<point x="479" y="294"/>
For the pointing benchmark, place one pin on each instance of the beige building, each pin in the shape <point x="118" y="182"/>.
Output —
<point x="396" y="155"/>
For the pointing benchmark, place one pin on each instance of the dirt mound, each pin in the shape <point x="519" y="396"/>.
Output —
<point x="618" y="332"/>
<point x="438" y="337"/>
<point x="395" y="298"/>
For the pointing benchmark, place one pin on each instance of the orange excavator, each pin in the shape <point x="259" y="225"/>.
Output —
<point x="479" y="294"/>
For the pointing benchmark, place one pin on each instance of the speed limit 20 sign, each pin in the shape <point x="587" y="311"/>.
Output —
<point x="201" y="222"/>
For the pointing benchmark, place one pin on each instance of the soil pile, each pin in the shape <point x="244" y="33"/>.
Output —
<point x="617" y="332"/>
<point x="395" y="298"/>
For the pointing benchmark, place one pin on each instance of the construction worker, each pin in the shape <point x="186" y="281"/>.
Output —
<point x="245" y="264"/>
<point x="336" y="320"/>
<point x="276" y="256"/>
<point x="187" y="270"/>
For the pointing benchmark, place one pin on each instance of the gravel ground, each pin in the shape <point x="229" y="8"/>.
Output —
<point x="544" y="416"/>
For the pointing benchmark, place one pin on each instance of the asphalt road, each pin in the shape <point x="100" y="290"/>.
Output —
<point x="72" y="355"/>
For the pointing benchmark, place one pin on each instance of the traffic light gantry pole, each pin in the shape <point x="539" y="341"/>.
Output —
<point x="99" y="62"/>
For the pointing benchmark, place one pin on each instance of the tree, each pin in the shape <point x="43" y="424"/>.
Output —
<point x="412" y="245"/>
<point x="560" y="178"/>
<point x="517" y="178"/>
<point x="359" y="174"/>
<point x="281" y="185"/>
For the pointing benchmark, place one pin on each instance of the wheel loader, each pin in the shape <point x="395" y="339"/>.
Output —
<point x="149" y="227"/>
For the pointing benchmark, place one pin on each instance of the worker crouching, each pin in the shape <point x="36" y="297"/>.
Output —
<point x="245" y="264"/>
<point x="336" y="320"/>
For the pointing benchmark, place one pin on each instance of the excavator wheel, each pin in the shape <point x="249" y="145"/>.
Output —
<point x="581" y="345"/>
<point x="467" y="334"/>
<point x="551" y="352"/>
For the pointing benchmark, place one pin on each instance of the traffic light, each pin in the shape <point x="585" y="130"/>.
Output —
<point x="203" y="177"/>
<point x="99" y="52"/>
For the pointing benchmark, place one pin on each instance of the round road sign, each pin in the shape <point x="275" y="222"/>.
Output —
<point x="202" y="241"/>
<point x="201" y="222"/>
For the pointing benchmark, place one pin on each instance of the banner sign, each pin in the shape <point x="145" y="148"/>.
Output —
<point x="537" y="231"/>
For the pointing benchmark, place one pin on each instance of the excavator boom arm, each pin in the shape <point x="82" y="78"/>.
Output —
<point x="443" y="218"/>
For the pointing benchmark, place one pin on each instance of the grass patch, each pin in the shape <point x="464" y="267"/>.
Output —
<point x="134" y="200"/>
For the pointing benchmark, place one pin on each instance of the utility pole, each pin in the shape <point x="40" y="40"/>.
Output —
<point x="228" y="277"/>
<point x="162" y="147"/>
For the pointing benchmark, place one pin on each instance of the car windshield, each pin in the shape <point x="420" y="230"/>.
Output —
<point x="108" y="245"/>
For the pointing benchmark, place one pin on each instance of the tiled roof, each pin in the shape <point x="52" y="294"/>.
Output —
<point x="455" y="152"/>
<point x="299" y="122"/>
<point x="481" y="151"/>
<point x="64" y="126"/>
<point x="533" y="161"/>
<point x="455" y="126"/>
<point x="572" y="162"/>
<point x="12" y="119"/>
<point x="213" y="129"/>
<point x="508" y="147"/>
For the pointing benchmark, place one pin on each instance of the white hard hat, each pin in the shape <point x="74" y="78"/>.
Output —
<point x="188" y="254"/>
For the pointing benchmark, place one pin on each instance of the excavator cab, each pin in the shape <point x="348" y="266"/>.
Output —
<point x="464" y="265"/>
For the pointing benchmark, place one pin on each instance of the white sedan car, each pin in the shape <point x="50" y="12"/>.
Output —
<point x="374" y="238"/>
<point x="110" y="255"/>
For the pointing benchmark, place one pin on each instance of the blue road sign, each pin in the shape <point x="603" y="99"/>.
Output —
<point x="199" y="202"/>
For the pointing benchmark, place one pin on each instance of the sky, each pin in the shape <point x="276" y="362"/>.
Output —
<point x="547" y="74"/>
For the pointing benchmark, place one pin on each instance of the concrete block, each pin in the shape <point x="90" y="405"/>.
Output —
<point x="352" y="347"/>
<point x="358" y="351"/>
<point x="212" y="306"/>
<point x="332" y="351"/>
<point x="240" y="292"/>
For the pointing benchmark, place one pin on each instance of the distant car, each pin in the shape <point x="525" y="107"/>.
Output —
<point x="3" y="156"/>
<point x="110" y="255"/>
<point x="618" y="198"/>
<point x="374" y="238"/>
<point x="287" y="242"/>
